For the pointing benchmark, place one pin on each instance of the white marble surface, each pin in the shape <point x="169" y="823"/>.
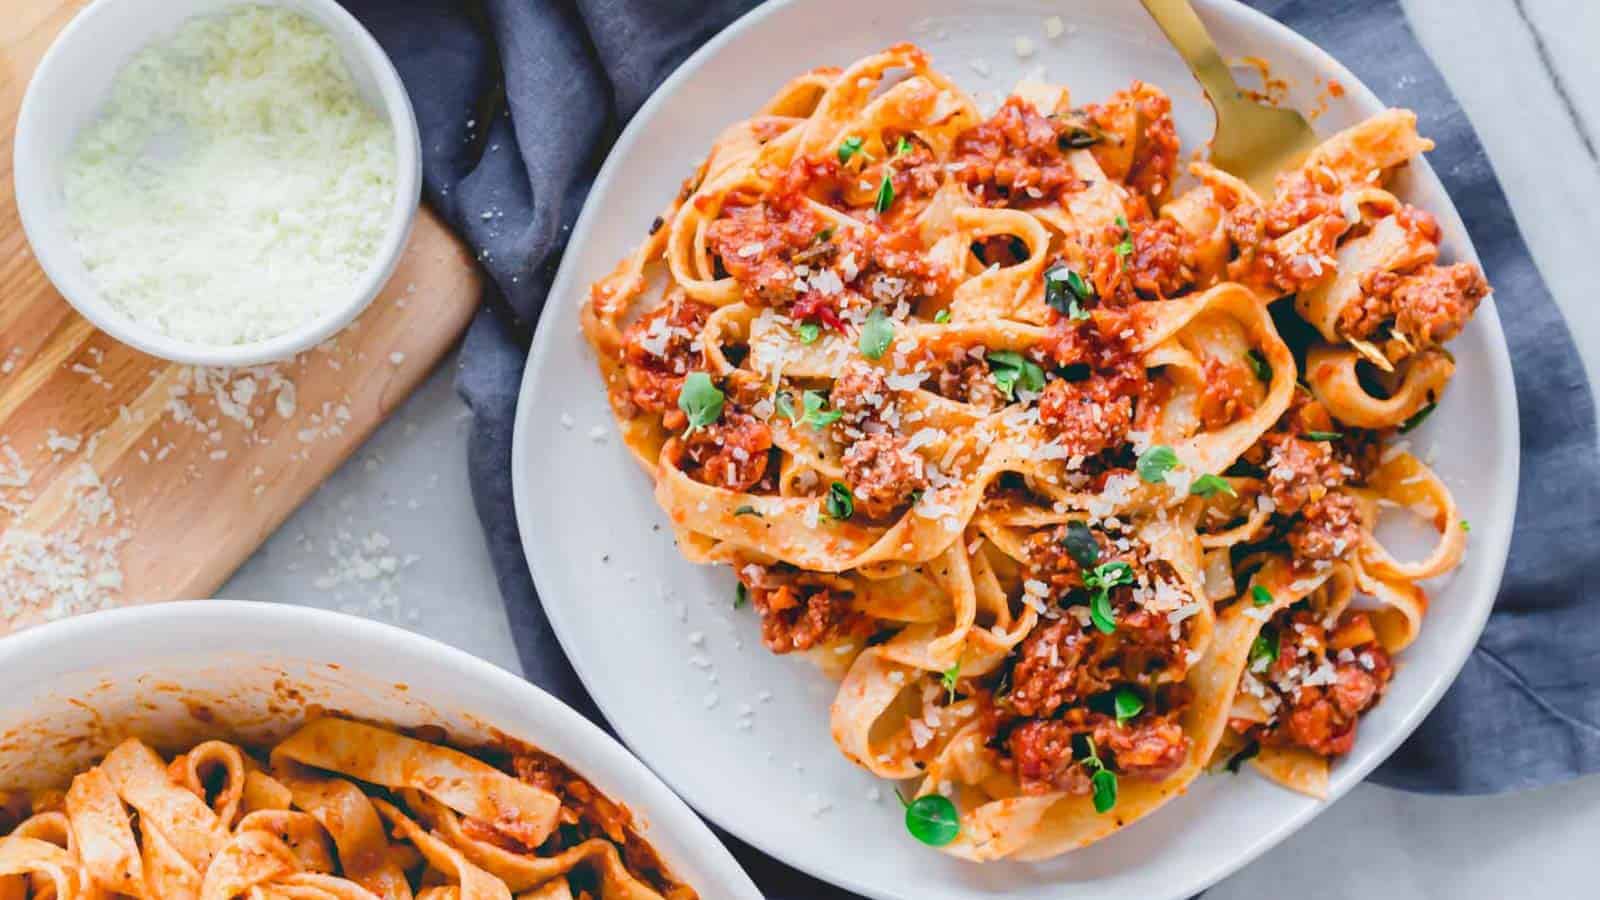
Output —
<point x="1525" y="72"/>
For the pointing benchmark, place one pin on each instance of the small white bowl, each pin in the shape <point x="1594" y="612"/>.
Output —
<point x="175" y="674"/>
<point x="66" y="93"/>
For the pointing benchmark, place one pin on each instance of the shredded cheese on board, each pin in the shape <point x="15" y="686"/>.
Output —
<point x="235" y="185"/>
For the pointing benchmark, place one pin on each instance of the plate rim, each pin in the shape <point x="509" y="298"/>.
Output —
<point x="1496" y="549"/>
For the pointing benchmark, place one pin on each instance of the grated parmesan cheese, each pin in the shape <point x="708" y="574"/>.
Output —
<point x="235" y="185"/>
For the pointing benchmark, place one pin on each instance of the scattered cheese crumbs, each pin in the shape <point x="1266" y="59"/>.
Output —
<point x="75" y="567"/>
<point x="1054" y="27"/>
<point x="235" y="185"/>
<point x="1024" y="47"/>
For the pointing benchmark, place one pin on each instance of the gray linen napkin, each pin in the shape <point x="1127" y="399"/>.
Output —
<point x="519" y="101"/>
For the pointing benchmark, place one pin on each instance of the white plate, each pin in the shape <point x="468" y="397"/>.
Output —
<point x="74" y="688"/>
<point x="627" y="607"/>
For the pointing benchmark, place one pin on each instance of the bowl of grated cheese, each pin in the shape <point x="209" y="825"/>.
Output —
<point x="216" y="182"/>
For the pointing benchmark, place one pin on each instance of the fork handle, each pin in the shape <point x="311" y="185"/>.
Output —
<point x="1188" y="34"/>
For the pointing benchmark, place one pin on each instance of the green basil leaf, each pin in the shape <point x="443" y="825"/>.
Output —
<point x="1420" y="417"/>
<point x="849" y="147"/>
<point x="1155" y="463"/>
<point x="741" y="595"/>
<point x="785" y="407"/>
<point x="932" y="819"/>
<point x="809" y="332"/>
<point x="885" y="191"/>
<point x="876" y="334"/>
<point x="942" y="316"/>
<point x="1264" y="647"/>
<point x="1208" y="484"/>
<point x="1323" y="435"/>
<point x="1466" y="526"/>
<point x="949" y="678"/>
<point x="1127" y="704"/>
<point x="1240" y="758"/>
<point x="1258" y="365"/>
<point x="1260" y="596"/>
<point x="1101" y="613"/>
<point x="1105" y="790"/>
<point x="841" y="504"/>
<point x="747" y="510"/>
<point x="1080" y="544"/>
<point x="904" y="146"/>
<point x="700" y="400"/>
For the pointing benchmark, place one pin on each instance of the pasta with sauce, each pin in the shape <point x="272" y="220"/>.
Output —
<point x="1000" y="425"/>
<point x="337" y="811"/>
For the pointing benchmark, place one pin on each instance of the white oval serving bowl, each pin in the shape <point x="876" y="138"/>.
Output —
<point x="66" y="93"/>
<point x="626" y="605"/>
<point x="177" y="673"/>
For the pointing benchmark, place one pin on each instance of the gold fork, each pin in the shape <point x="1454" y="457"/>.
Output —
<point x="1253" y="140"/>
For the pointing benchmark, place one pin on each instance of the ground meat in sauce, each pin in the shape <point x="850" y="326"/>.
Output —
<point x="730" y="453"/>
<point x="1228" y="394"/>
<point x="1322" y="718"/>
<point x="755" y="243"/>
<point x="1327" y="529"/>
<point x="884" y="474"/>
<point x="1014" y="157"/>
<point x="861" y="395"/>
<point x="1163" y="260"/>
<point x="1041" y="750"/>
<point x="1433" y="305"/>
<point x="657" y="355"/>
<point x="968" y="380"/>
<point x="799" y="610"/>
<point x="1086" y="417"/>
<point x="1155" y="152"/>
<point x="1299" y="471"/>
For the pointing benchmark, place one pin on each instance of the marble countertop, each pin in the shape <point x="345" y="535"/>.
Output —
<point x="1534" y="98"/>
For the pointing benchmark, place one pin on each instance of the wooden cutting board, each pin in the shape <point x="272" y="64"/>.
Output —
<point x="124" y="478"/>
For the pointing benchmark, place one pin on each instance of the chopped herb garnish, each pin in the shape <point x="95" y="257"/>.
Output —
<point x="902" y="147"/>
<point x="1101" y="580"/>
<point x="785" y="407"/>
<point x="1208" y="485"/>
<point x="1080" y="544"/>
<point x="1263" y="650"/>
<point x="1258" y="365"/>
<point x="1125" y="246"/>
<point x="885" y="191"/>
<point x="1243" y="756"/>
<point x="932" y="819"/>
<point x="748" y="510"/>
<point x="1127" y="704"/>
<point x="1260" y="596"/>
<point x="849" y="147"/>
<point x="1155" y="463"/>
<point x="1323" y="435"/>
<point x="1078" y="138"/>
<point x="1101" y="778"/>
<point x="1465" y="525"/>
<point x="1421" y="416"/>
<point x="741" y="595"/>
<point x="700" y="400"/>
<point x="1065" y="291"/>
<point x="841" y="504"/>
<point x="809" y="332"/>
<point x="876" y="334"/>
<point x="942" y="316"/>
<point x="1105" y="790"/>
<point x="949" y="678"/>
<point x="812" y="412"/>
<point x="1011" y="369"/>
<point x="825" y="235"/>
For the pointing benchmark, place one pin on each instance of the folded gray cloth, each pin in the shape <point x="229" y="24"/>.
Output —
<point x="519" y="101"/>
